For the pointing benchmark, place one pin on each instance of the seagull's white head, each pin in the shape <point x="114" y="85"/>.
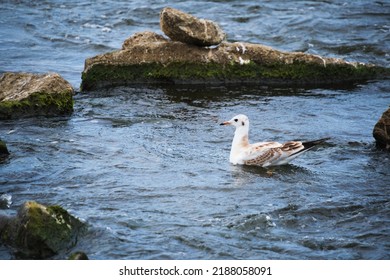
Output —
<point x="238" y="121"/>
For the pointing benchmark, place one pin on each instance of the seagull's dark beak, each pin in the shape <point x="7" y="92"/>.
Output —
<point x="225" y="123"/>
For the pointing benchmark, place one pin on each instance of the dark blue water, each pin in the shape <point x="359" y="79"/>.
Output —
<point x="147" y="167"/>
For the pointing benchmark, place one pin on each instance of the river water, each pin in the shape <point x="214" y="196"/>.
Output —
<point x="147" y="167"/>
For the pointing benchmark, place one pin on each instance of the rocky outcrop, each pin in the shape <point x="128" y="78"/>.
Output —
<point x="381" y="131"/>
<point x="151" y="58"/>
<point x="147" y="57"/>
<point x="26" y="94"/>
<point x="39" y="231"/>
<point x="183" y="27"/>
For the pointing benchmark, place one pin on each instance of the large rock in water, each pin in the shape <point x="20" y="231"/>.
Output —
<point x="39" y="231"/>
<point x="382" y="131"/>
<point x="182" y="27"/>
<point x="151" y="58"/>
<point x="26" y="94"/>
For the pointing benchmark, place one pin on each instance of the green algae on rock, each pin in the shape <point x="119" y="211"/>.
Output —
<point x="26" y="94"/>
<point x="148" y="57"/>
<point x="40" y="231"/>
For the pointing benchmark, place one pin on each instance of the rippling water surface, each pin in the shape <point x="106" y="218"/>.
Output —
<point x="147" y="167"/>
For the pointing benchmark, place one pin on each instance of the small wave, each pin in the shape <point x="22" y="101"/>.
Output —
<point x="194" y="243"/>
<point x="358" y="48"/>
<point x="252" y="222"/>
<point x="330" y="243"/>
<point x="5" y="201"/>
<point x="293" y="216"/>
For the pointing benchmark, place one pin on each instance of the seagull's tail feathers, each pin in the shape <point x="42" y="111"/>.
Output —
<point x="306" y="146"/>
<point x="311" y="144"/>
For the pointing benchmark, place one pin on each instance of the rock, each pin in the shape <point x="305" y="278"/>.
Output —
<point x="151" y="58"/>
<point x="5" y="201"/>
<point x="4" y="223"/>
<point x="3" y="150"/>
<point x="26" y="94"/>
<point x="182" y="27"/>
<point x="40" y="231"/>
<point x="78" y="256"/>
<point x="381" y="131"/>
<point x="143" y="40"/>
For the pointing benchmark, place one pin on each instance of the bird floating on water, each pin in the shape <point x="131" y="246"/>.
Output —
<point x="263" y="153"/>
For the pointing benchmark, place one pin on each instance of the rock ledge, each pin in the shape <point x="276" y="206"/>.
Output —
<point x="149" y="58"/>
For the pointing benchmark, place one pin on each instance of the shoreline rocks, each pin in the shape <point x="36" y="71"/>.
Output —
<point x="27" y="94"/>
<point x="381" y="131"/>
<point x="40" y="232"/>
<point x="150" y="58"/>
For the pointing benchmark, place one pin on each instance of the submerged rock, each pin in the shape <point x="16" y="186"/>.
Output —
<point x="3" y="150"/>
<point x="381" y="131"/>
<point x="78" y="256"/>
<point x="151" y="58"/>
<point x="183" y="27"/>
<point x="40" y="231"/>
<point x="5" y="201"/>
<point x="26" y="94"/>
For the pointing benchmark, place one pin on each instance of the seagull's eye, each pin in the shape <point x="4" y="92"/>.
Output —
<point x="236" y="120"/>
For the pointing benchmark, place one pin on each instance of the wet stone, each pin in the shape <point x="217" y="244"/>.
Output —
<point x="381" y="131"/>
<point x="28" y="94"/>
<point x="183" y="27"/>
<point x="39" y="231"/>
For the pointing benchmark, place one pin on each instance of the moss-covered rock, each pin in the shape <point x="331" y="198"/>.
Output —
<point x="26" y="94"/>
<point x="40" y="231"/>
<point x="151" y="58"/>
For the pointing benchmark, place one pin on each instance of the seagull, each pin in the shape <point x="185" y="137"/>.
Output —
<point x="263" y="153"/>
